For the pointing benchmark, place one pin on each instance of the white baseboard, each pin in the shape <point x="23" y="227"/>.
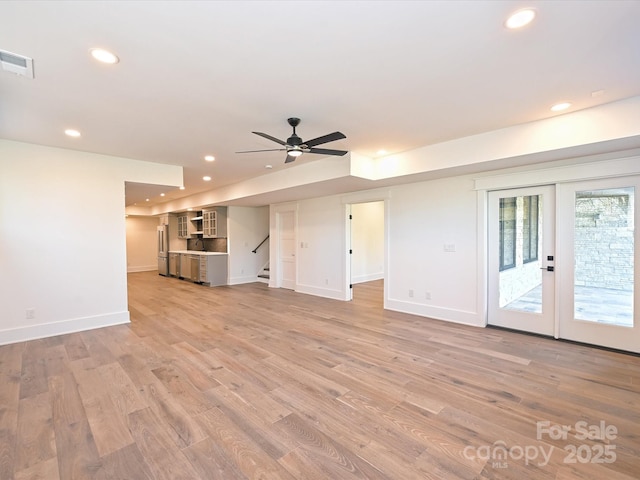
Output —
<point x="33" y="332"/>
<point x="141" y="268"/>
<point x="367" y="278"/>
<point x="243" y="279"/>
<point x="321" y="292"/>
<point x="438" y="313"/>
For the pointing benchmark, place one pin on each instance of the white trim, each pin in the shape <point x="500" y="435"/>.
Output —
<point x="367" y="196"/>
<point x="243" y="279"/>
<point x="368" y="277"/>
<point x="320" y="292"/>
<point x="438" y="313"/>
<point x="33" y="332"/>
<point x="142" y="268"/>
<point x="590" y="170"/>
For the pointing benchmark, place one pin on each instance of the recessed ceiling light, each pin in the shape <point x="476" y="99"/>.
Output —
<point x="381" y="152"/>
<point x="162" y="194"/>
<point x="558" y="107"/>
<point x="181" y="188"/>
<point x="206" y="178"/>
<point x="209" y="158"/>
<point x="268" y="167"/>
<point x="520" y="18"/>
<point x="70" y="132"/>
<point x="104" y="56"/>
<point x="189" y="209"/>
<point x="146" y="199"/>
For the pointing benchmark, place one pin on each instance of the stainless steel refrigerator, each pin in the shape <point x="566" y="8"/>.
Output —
<point x="163" y="250"/>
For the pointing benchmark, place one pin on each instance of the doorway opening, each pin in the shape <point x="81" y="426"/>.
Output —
<point x="366" y="264"/>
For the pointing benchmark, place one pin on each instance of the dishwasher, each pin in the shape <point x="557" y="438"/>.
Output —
<point x="195" y="268"/>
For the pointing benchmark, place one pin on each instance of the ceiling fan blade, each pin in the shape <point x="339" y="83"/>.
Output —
<point x="269" y="137"/>
<point x="332" y="137"/>
<point x="268" y="150"/>
<point x="328" y="151"/>
<point x="290" y="159"/>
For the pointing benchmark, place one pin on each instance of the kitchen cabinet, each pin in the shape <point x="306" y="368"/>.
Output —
<point x="208" y="268"/>
<point x="174" y="264"/>
<point x="214" y="222"/>
<point x="185" y="266"/>
<point x="213" y="269"/>
<point x="188" y="225"/>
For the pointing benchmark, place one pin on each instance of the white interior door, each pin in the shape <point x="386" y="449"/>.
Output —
<point x="597" y="259"/>
<point x="521" y="256"/>
<point x="286" y="249"/>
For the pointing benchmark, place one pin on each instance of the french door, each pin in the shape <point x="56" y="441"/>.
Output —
<point x="521" y="259"/>
<point x="598" y="262"/>
<point x="563" y="261"/>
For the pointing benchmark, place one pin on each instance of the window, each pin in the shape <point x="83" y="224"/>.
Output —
<point x="530" y="229"/>
<point x="507" y="233"/>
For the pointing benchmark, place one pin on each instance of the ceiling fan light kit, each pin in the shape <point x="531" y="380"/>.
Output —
<point x="295" y="146"/>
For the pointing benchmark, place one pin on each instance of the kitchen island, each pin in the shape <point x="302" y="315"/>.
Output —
<point x="206" y="268"/>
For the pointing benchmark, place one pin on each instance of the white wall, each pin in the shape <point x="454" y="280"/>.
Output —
<point x="367" y="241"/>
<point x="435" y="237"/>
<point x="62" y="238"/>
<point x="321" y="247"/>
<point x="247" y="227"/>
<point x="142" y="252"/>
<point x="423" y="218"/>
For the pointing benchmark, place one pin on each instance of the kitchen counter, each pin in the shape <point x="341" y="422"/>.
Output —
<point x="197" y="252"/>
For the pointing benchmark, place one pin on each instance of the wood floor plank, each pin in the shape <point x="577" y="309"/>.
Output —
<point x="241" y="448"/>
<point x="123" y="392"/>
<point x="36" y="438"/>
<point x="76" y="450"/>
<point x="250" y="382"/>
<point x="46" y="470"/>
<point x="34" y="372"/>
<point x="10" y="377"/>
<point x="171" y="417"/>
<point x="164" y="461"/>
<point x="123" y="464"/>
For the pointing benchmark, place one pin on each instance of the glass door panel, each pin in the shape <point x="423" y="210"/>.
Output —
<point x="521" y="242"/>
<point x="603" y="256"/>
<point x="598" y="257"/>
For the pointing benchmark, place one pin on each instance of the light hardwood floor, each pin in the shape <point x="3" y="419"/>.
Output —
<point x="247" y="382"/>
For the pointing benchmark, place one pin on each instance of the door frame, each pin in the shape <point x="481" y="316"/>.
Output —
<point x="625" y="338"/>
<point x="275" y="279"/>
<point x="545" y="322"/>
<point x="592" y="167"/>
<point x="379" y="195"/>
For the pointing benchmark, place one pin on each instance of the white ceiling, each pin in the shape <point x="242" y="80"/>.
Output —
<point x="196" y="78"/>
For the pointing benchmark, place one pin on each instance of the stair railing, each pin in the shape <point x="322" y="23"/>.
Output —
<point x="255" y="250"/>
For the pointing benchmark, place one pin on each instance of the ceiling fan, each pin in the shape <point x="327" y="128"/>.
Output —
<point x="295" y="146"/>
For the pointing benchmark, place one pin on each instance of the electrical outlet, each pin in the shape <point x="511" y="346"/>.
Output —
<point x="427" y="295"/>
<point x="31" y="313"/>
<point x="410" y="293"/>
<point x="449" y="247"/>
<point x="326" y="281"/>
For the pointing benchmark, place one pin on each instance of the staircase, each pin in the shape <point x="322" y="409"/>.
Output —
<point x="263" y="275"/>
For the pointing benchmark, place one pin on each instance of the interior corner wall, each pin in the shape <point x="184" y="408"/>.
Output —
<point x="422" y="218"/>
<point x="246" y="228"/>
<point x="63" y="239"/>
<point x="367" y="241"/>
<point x="142" y="254"/>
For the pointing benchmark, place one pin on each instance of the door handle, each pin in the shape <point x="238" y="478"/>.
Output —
<point x="548" y="269"/>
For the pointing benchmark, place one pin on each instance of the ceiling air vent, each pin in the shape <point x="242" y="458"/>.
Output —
<point x="16" y="64"/>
